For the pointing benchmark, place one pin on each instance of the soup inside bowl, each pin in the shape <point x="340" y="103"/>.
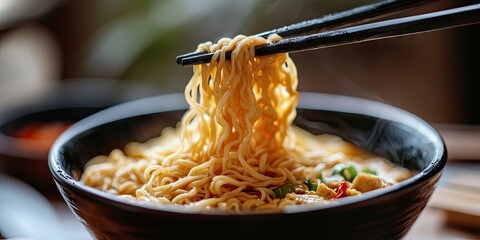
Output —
<point x="384" y="130"/>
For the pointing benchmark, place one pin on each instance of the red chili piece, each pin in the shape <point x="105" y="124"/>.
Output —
<point x="341" y="190"/>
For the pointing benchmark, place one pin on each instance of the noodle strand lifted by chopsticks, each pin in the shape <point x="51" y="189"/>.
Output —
<point x="233" y="146"/>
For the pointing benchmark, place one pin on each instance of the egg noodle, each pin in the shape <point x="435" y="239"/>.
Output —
<point x="236" y="145"/>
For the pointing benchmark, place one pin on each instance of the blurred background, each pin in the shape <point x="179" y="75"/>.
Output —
<point x="43" y="43"/>
<point x="128" y="48"/>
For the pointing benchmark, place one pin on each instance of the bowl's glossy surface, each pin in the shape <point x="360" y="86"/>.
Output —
<point x="383" y="214"/>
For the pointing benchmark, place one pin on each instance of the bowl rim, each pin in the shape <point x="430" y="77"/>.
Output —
<point x="308" y="100"/>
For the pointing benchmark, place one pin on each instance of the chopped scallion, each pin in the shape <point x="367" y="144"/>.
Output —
<point x="369" y="171"/>
<point x="337" y="169"/>
<point x="281" y="192"/>
<point x="311" y="186"/>
<point x="348" y="172"/>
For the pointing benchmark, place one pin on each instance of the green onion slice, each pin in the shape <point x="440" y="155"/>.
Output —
<point x="281" y="192"/>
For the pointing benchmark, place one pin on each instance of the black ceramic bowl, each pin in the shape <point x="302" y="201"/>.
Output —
<point x="382" y="214"/>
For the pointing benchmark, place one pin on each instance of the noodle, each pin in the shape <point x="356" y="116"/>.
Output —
<point x="236" y="146"/>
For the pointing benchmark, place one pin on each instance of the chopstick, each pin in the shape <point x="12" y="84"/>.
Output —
<point x="456" y="17"/>
<point x="341" y="19"/>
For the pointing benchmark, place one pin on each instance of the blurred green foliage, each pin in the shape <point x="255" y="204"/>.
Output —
<point x="139" y="40"/>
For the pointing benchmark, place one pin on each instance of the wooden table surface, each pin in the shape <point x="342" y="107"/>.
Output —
<point x="453" y="211"/>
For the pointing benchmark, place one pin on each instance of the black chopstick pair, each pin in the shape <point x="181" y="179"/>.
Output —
<point x="331" y="21"/>
<point x="325" y="23"/>
<point x="318" y="33"/>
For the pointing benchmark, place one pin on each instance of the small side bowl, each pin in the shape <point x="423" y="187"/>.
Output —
<point x="25" y="158"/>
<point x="383" y="214"/>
